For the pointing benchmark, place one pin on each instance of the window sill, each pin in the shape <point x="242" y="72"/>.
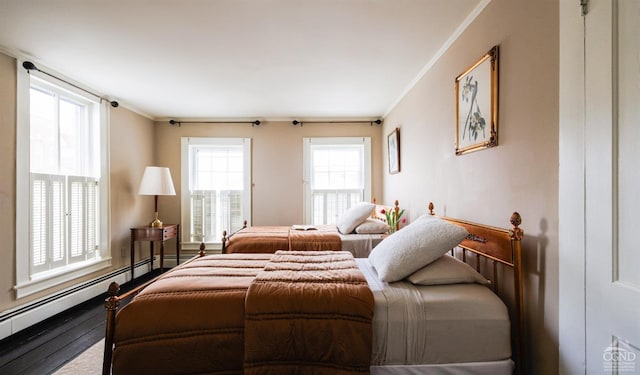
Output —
<point x="49" y="279"/>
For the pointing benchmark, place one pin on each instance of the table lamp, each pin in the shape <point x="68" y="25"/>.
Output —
<point x="156" y="181"/>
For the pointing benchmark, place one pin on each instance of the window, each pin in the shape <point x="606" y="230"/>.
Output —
<point x="337" y="175"/>
<point x="217" y="172"/>
<point x="61" y="220"/>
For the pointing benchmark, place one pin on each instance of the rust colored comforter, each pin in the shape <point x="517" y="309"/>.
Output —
<point x="308" y="313"/>
<point x="269" y="239"/>
<point x="192" y="320"/>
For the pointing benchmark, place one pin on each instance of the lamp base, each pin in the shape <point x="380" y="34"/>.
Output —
<point x="156" y="223"/>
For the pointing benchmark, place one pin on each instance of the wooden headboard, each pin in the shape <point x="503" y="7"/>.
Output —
<point x="498" y="246"/>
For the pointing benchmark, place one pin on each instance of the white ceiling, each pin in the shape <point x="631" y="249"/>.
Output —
<point x="238" y="59"/>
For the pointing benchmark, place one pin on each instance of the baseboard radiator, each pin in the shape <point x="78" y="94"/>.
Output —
<point x="16" y="319"/>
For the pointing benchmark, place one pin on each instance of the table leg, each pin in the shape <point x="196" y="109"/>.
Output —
<point x="133" y="247"/>
<point x="161" y="256"/>
<point x="178" y="246"/>
<point x="151" y="251"/>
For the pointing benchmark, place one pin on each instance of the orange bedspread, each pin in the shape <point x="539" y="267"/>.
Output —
<point x="308" y="313"/>
<point x="269" y="239"/>
<point x="192" y="319"/>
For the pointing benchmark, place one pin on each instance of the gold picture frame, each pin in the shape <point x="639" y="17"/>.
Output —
<point x="477" y="105"/>
<point x="393" y="151"/>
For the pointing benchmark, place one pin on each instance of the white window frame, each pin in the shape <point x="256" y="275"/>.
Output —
<point x="28" y="282"/>
<point x="185" y="177"/>
<point x="307" y="142"/>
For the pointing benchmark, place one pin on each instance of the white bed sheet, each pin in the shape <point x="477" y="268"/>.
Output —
<point x="360" y="245"/>
<point x="443" y="324"/>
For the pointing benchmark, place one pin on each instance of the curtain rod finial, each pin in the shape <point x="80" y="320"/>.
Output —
<point x="29" y="65"/>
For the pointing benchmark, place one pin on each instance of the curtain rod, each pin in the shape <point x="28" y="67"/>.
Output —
<point x="29" y="66"/>
<point x="258" y="122"/>
<point x="179" y="123"/>
<point x="377" y="122"/>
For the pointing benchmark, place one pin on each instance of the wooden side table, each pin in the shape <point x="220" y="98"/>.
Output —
<point x="152" y="234"/>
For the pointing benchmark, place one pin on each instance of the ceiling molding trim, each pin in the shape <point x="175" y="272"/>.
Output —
<point x="10" y="52"/>
<point x="456" y="34"/>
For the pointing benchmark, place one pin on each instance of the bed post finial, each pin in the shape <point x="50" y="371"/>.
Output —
<point x="516" y="220"/>
<point x="396" y="214"/>
<point x="224" y="241"/>
<point x="112" y="302"/>
<point x="373" y="212"/>
<point x="201" y="253"/>
<point x="430" y="207"/>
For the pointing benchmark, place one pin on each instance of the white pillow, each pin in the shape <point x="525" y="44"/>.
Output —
<point x="446" y="270"/>
<point x="354" y="216"/>
<point x="413" y="247"/>
<point x="372" y="226"/>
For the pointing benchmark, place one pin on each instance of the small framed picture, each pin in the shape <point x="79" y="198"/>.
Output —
<point x="477" y="105"/>
<point x="393" y="148"/>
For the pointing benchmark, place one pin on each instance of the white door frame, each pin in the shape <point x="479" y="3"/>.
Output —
<point x="597" y="310"/>
<point x="571" y="194"/>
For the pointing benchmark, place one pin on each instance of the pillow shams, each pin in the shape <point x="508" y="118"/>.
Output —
<point x="352" y="217"/>
<point x="446" y="270"/>
<point x="372" y="226"/>
<point x="413" y="247"/>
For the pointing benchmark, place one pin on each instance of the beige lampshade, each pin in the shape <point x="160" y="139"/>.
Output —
<point x="156" y="181"/>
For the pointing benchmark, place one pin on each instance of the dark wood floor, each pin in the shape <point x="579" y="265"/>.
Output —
<point x="47" y="346"/>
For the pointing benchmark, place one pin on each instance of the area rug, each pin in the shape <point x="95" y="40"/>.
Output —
<point x="88" y="362"/>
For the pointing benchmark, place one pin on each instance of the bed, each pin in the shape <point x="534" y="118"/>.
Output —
<point x="204" y="316"/>
<point x="358" y="231"/>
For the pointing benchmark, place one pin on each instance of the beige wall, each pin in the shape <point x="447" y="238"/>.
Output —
<point x="521" y="174"/>
<point x="131" y="148"/>
<point x="276" y="163"/>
